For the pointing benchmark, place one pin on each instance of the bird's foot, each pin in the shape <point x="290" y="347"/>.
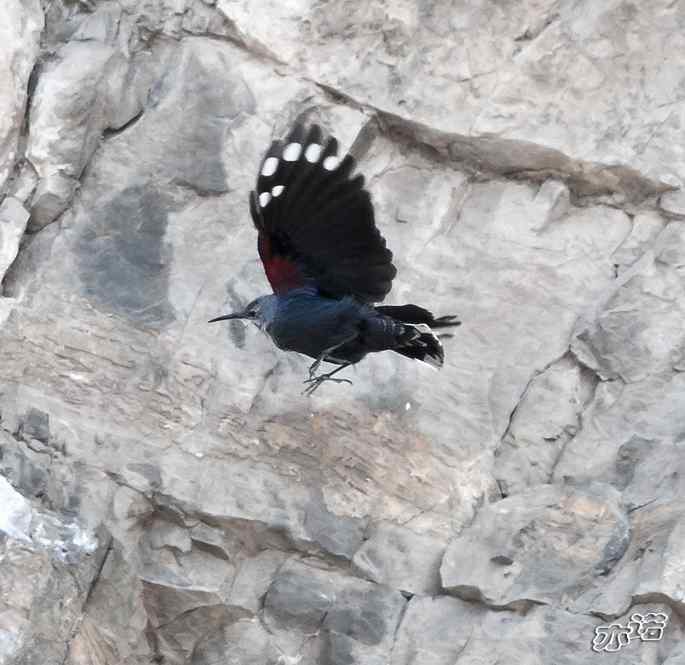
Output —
<point x="315" y="381"/>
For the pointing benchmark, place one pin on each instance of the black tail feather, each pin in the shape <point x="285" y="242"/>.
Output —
<point x="415" y="314"/>
<point x="424" y="346"/>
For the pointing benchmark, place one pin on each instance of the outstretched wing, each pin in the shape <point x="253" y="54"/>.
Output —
<point x="315" y="223"/>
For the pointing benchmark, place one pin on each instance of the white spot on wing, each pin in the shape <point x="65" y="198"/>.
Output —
<point x="277" y="190"/>
<point x="264" y="198"/>
<point x="313" y="152"/>
<point x="292" y="152"/>
<point x="331" y="163"/>
<point x="270" y="166"/>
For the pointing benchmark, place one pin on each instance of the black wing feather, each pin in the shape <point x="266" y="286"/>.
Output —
<point x="312" y="215"/>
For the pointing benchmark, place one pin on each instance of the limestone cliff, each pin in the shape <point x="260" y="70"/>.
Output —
<point x="168" y="495"/>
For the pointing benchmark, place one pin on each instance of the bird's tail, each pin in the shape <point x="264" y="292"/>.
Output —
<point x="423" y="344"/>
<point x="416" y="314"/>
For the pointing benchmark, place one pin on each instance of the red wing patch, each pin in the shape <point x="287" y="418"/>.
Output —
<point x="283" y="273"/>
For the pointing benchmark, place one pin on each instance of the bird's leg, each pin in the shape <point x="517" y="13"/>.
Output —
<point x="316" y="381"/>
<point x="315" y="365"/>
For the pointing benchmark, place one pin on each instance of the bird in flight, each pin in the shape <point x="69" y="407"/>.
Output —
<point x="328" y="264"/>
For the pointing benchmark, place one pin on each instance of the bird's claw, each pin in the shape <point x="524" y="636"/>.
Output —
<point x="316" y="381"/>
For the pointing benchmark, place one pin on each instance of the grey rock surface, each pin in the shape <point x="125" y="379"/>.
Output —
<point x="169" y="495"/>
<point x="444" y="631"/>
<point x="395" y="555"/>
<point x="544" y="545"/>
<point x="22" y="23"/>
<point x="48" y="566"/>
<point x="13" y="219"/>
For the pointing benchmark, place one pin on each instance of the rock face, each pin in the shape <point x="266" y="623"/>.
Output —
<point x="169" y="495"/>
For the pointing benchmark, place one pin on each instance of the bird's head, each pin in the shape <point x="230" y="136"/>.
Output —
<point x="260" y="311"/>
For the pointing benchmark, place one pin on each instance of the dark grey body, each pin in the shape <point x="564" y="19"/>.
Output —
<point x="308" y="323"/>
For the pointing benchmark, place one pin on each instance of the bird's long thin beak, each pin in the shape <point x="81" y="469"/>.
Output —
<point x="225" y="317"/>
